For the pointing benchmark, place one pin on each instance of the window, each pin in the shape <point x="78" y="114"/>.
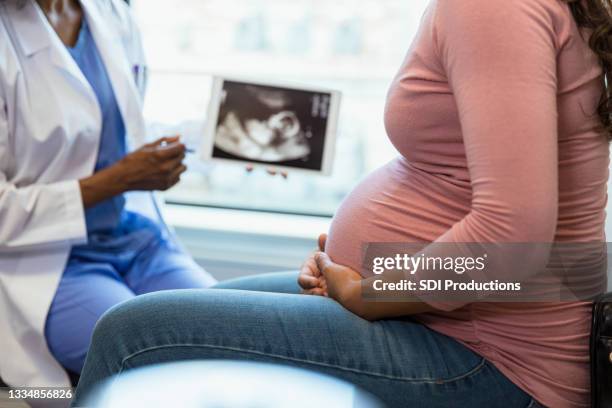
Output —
<point x="355" y="46"/>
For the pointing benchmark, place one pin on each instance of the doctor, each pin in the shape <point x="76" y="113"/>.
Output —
<point x="71" y="244"/>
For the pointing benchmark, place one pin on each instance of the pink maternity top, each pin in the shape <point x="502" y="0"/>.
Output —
<point x="493" y="115"/>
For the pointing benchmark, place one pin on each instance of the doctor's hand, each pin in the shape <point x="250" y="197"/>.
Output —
<point x="155" y="166"/>
<point x="270" y="170"/>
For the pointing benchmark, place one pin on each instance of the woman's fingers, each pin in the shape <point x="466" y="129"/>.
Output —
<point x="324" y="262"/>
<point x="332" y="276"/>
<point x="307" y="282"/>
<point x="340" y="282"/>
<point x="317" y="292"/>
<point x="322" y="241"/>
<point x="309" y="275"/>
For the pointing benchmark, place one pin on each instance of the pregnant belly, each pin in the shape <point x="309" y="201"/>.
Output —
<point x="396" y="203"/>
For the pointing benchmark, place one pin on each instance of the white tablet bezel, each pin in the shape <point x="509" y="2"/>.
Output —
<point x="209" y="132"/>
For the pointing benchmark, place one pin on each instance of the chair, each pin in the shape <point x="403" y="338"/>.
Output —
<point x="601" y="353"/>
<point x="235" y="384"/>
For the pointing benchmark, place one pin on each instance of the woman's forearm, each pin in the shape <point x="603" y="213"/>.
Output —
<point x="378" y="310"/>
<point x="348" y="288"/>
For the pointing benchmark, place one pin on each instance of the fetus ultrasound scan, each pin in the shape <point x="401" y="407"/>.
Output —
<point x="273" y="125"/>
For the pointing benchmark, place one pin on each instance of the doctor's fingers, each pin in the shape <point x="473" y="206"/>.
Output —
<point x="322" y="241"/>
<point x="175" y="177"/>
<point x="176" y="173"/>
<point x="163" y="141"/>
<point x="170" y="151"/>
<point x="170" y="165"/>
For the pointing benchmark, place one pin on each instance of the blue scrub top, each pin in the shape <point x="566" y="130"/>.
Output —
<point x="106" y="216"/>
<point x="114" y="234"/>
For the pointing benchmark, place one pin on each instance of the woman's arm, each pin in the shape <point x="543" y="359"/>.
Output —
<point x="500" y="61"/>
<point x="345" y="286"/>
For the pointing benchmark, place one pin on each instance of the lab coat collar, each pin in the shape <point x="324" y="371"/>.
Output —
<point x="35" y="35"/>
<point x="116" y="61"/>
<point x="31" y="31"/>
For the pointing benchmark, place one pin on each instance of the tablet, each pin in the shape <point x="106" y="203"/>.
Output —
<point x="285" y="127"/>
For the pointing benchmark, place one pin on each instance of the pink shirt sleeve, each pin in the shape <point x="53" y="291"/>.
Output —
<point x="505" y="87"/>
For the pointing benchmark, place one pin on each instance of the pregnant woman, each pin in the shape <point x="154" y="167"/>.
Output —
<point x="495" y="115"/>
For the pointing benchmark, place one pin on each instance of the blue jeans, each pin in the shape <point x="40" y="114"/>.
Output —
<point x="262" y="319"/>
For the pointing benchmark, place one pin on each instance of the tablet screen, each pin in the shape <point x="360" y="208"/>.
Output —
<point x="272" y="125"/>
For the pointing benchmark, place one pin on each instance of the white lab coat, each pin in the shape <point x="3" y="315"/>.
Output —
<point x="50" y="124"/>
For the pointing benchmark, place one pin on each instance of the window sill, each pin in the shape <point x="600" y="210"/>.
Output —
<point x="233" y="243"/>
<point x="246" y="222"/>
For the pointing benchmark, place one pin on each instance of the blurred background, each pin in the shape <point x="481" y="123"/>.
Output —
<point x="355" y="46"/>
<point x="236" y="223"/>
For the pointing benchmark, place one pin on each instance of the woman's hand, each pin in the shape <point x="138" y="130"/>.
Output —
<point x="155" y="166"/>
<point x="343" y="284"/>
<point x="310" y="279"/>
<point x="321" y="276"/>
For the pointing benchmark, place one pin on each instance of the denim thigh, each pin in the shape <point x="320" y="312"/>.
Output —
<point x="277" y="282"/>
<point x="400" y="361"/>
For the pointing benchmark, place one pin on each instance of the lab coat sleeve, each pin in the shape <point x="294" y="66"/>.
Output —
<point x="39" y="215"/>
